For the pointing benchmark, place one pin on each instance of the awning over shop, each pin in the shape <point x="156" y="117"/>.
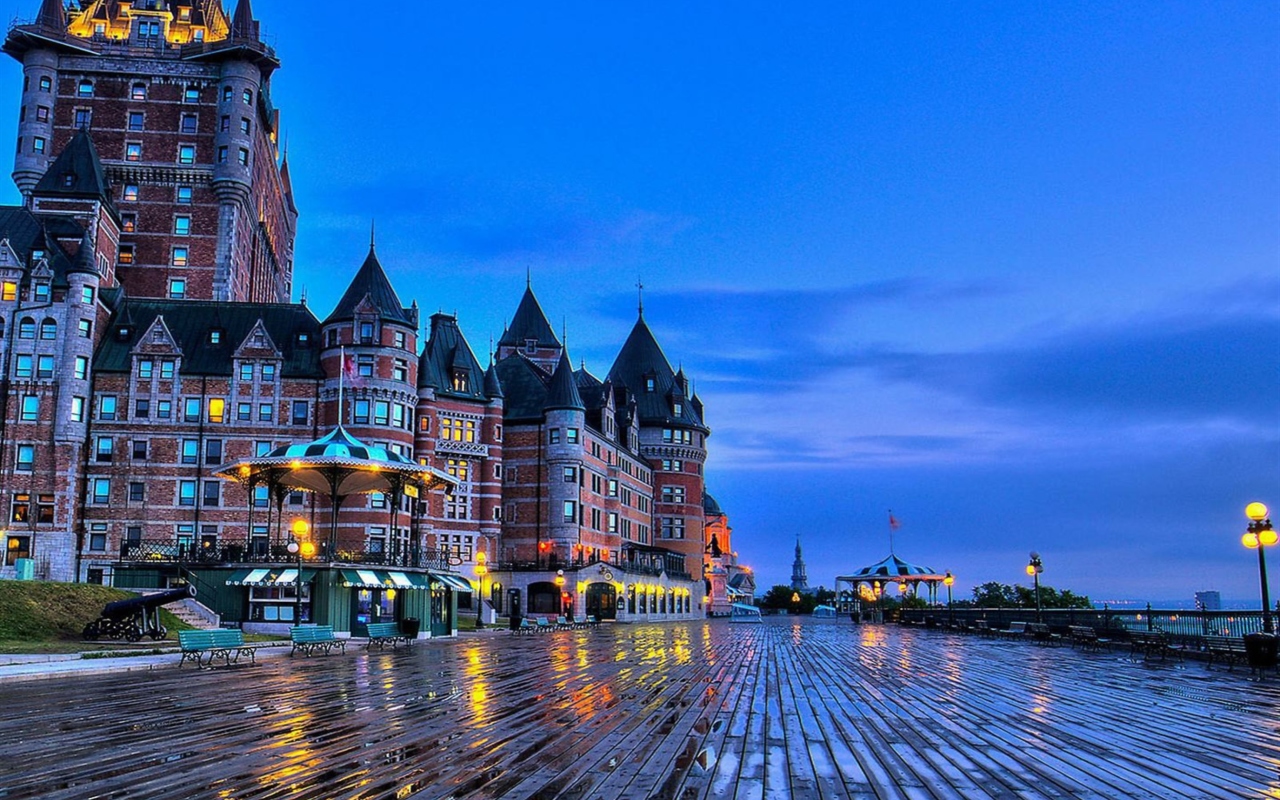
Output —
<point x="454" y="582"/>
<point x="269" y="577"/>
<point x="382" y="579"/>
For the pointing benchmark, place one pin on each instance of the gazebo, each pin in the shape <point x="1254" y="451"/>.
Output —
<point x="892" y="570"/>
<point x="336" y="466"/>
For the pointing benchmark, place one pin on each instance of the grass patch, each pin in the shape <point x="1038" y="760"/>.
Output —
<point x="47" y="617"/>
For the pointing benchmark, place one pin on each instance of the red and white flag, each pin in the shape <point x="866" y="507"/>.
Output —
<point x="893" y="522"/>
<point x="350" y="371"/>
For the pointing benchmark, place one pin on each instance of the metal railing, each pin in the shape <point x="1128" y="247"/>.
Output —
<point x="1184" y="625"/>
<point x="257" y="551"/>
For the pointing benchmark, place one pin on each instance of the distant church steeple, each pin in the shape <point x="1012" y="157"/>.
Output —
<point x="799" y="581"/>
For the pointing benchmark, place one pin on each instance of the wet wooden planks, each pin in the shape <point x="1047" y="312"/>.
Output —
<point x="787" y="709"/>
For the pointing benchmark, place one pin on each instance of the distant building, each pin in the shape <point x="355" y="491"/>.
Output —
<point x="1209" y="601"/>
<point x="799" y="580"/>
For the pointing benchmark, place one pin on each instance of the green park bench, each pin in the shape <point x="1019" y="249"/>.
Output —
<point x="312" y="638"/>
<point x="386" y="633"/>
<point x="206" y="646"/>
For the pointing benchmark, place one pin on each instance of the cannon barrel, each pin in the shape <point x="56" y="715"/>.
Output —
<point x="121" y="609"/>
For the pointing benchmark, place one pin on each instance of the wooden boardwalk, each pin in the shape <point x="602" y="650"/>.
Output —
<point x="787" y="709"/>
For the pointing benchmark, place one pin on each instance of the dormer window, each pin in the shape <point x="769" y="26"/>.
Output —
<point x="124" y="333"/>
<point x="304" y="340"/>
<point x="461" y="383"/>
<point x="677" y="408"/>
<point x="42" y="293"/>
<point x="366" y="333"/>
<point x="215" y="336"/>
<point x="68" y="180"/>
<point x="36" y="255"/>
<point x="650" y="383"/>
<point x="531" y="346"/>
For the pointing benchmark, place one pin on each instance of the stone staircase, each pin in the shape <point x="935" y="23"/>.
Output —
<point x="194" y="614"/>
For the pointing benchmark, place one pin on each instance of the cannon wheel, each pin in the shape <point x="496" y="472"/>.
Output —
<point x="157" y="634"/>
<point x="92" y="631"/>
<point x="133" y="633"/>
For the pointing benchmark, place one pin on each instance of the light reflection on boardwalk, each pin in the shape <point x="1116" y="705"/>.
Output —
<point x="788" y="709"/>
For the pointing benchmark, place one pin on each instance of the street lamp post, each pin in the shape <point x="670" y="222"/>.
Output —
<point x="1034" y="568"/>
<point x="948" y="580"/>
<point x="1259" y="536"/>
<point x="481" y="571"/>
<point x="298" y="547"/>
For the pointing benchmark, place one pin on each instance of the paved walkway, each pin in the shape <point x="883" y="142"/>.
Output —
<point x="787" y="709"/>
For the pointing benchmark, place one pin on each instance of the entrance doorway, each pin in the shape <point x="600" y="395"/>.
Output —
<point x="371" y="605"/>
<point x="602" y="601"/>
<point x="544" y="599"/>
<point x="441" y="611"/>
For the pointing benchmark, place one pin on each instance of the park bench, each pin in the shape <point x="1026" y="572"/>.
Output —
<point x="386" y="633"/>
<point x="1040" y="633"/>
<point x="591" y="621"/>
<point x="526" y="626"/>
<point x="565" y="624"/>
<point x="312" y="638"/>
<point x="1225" y="648"/>
<point x="1016" y="630"/>
<point x="205" y="646"/>
<point x="543" y="624"/>
<point x="980" y="627"/>
<point x="1084" y="637"/>
<point x="1151" y="643"/>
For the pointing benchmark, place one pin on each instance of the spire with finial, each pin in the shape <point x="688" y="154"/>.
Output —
<point x="373" y="233"/>
<point x="52" y="15"/>
<point x="640" y="289"/>
<point x="243" y="25"/>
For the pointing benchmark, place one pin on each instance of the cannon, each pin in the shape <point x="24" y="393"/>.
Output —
<point x="135" y="617"/>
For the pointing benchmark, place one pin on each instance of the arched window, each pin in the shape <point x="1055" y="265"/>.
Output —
<point x="49" y="329"/>
<point x="27" y="328"/>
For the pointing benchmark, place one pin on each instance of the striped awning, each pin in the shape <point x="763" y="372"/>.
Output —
<point x="451" y="581"/>
<point x="269" y="577"/>
<point x="383" y="579"/>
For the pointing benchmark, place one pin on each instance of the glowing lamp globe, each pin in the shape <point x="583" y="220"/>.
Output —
<point x="1031" y="569"/>
<point x="1268" y="537"/>
<point x="1249" y="540"/>
<point x="1256" y="511"/>
<point x="949" y="579"/>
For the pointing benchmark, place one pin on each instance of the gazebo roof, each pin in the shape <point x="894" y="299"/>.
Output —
<point x="337" y="464"/>
<point x="892" y="568"/>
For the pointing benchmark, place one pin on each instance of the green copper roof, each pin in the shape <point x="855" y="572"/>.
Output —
<point x="445" y="353"/>
<point x="191" y="323"/>
<point x="643" y="370"/>
<point x="529" y="323"/>
<point x="372" y="282"/>
<point x="76" y="172"/>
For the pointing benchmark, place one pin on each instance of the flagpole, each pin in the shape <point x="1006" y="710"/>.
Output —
<point x="342" y="371"/>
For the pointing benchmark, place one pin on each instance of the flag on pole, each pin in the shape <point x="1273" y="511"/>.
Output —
<point x="350" y="370"/>
<point x="893" y="522"/>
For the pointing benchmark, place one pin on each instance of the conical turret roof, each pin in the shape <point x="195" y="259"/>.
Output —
<point x="372" y="282"/>
<point x="562" y="391"/>
<point x="52" y="15"/>
<point x="492" y="384"/>
<point x="529" y="323"/>
<point x="77" y="171"/>
<point x="84" y="256"/>
<point x="643" y="369"/>
<point x="243" y="25"/>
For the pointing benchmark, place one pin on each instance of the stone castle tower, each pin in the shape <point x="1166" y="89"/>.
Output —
<point x="176" y="97"/>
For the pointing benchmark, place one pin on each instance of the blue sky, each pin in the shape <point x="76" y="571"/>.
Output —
<point x="1009" y="269"/>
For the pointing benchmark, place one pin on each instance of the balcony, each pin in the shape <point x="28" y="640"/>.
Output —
<point x="229" y="552"/>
